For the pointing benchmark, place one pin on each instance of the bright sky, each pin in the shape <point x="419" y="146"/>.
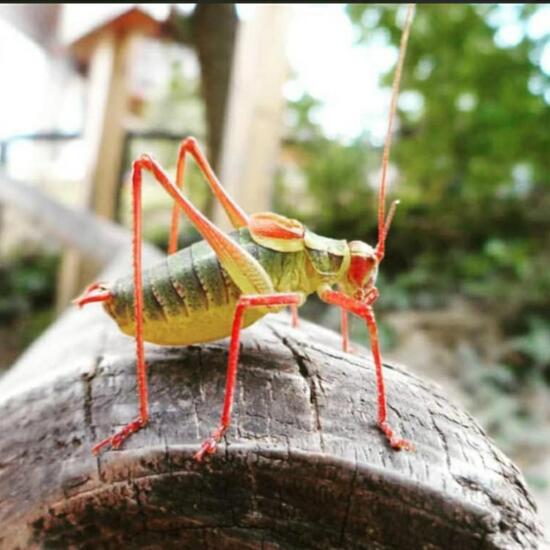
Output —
<point x="324" y="59"/>
<point x="20" y="101"/>
<point x="345" y="77"/>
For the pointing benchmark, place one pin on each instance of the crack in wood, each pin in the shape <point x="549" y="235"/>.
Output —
<point x="87" y="381"/>
<point x="311" y="382"/>
<point x="442" y="439"/>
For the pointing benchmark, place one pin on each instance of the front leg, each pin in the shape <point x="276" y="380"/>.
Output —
<point x="370" y="297"/>
<point x="365" y="311"/>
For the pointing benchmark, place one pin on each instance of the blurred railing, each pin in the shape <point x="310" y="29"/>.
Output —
<point x="35" y="136"/>
<point x="55" y="136"/>
<point x="158" y="135"/>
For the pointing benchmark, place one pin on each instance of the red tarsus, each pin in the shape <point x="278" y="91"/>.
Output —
<point x="116" y="440"/>
<point x="246" y="301"/>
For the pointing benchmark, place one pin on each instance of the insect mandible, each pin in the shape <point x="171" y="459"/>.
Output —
<point x="226" y="282"/>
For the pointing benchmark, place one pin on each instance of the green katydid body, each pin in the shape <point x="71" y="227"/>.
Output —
<point x="190" y="298"/>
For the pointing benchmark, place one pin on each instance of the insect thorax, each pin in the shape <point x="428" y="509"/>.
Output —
<point x="329" y="258"/>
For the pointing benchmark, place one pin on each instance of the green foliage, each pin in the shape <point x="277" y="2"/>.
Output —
<point x="534" y="346"/>
<point x="178" y="107"/>
<point x="507" y="400"/>
<point x="472" y="152"/>
<point x="477" y="113"/>
<point x="26" y="304"/>
<point x="301" y="115"/>
<point x="28" y="283"/>
<point x="336" y="174"/>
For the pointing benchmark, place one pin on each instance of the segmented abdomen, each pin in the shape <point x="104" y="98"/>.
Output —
<point x="188" y="297"/>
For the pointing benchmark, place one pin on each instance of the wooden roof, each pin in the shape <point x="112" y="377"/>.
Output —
<point x="134" y="19"/>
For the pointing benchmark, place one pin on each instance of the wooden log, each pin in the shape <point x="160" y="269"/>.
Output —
<point x="303" y="465"/>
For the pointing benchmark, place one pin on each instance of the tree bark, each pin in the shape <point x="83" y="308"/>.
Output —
<point x="302" y="466"/>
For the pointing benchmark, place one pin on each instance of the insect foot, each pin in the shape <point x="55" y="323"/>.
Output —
<point x="396" y="443"/>
<point x="115" y="441"/>
<point x="210" y="445"/>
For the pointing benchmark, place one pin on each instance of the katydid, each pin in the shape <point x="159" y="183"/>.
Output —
<point x="226" y="282"/>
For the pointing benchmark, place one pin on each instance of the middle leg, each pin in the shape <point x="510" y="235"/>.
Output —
<point x="245" y="301"/>
<point x="345" y="330"/>
<point x="294" y="315"/>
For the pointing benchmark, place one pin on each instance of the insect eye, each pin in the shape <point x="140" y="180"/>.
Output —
<point x="360" y="269"/>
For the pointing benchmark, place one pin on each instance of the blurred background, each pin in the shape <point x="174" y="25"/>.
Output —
<point x="291" y="104"/>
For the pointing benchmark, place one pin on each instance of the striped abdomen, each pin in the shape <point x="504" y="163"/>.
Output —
<point x="189" y="298"/>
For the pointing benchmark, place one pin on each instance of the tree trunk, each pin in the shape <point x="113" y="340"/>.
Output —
<point x="302" y="466"/>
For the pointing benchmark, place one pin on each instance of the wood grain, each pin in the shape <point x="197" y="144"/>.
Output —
<point x="303" y="465"/>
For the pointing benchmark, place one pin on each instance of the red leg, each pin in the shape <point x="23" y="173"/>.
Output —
<point x="345" y="331"/>
<point x="180" y="172"/>
<point x="245" y="301"/>
<point x="237" y="217"/>
<point x="364" y="310"/>
<point x="118" y="438"/>
<point x="240" y="265"/>
<point x="294" y="313"/>
<point x="96" y="292"/>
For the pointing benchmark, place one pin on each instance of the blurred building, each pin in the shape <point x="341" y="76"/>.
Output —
<point x="116" y="80"/>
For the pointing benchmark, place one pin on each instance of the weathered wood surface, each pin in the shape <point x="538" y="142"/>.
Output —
<point x="97" y="239"/>
<point x="303" y="465"/>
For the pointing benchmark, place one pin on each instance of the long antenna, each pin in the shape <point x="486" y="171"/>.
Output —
<point x="382" y="225"/>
